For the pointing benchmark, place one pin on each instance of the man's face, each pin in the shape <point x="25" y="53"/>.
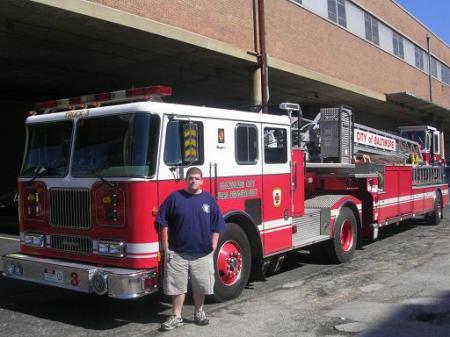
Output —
<point x="194" y="182"/>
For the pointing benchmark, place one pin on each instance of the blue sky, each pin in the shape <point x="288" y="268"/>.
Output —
<point x="435" y="14"/>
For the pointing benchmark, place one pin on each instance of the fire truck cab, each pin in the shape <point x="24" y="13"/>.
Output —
<point x="97" y="168"/>
<point x="431" y="141"/>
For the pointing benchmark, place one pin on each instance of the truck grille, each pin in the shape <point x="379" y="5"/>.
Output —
<point x="72" y="244"/>
<point x="70" y="208"/>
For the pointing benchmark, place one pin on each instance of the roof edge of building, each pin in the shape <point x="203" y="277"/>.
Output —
<point x="421" y="23"/>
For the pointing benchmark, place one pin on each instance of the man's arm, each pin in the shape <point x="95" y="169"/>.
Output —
<point x="214" y="239"/>
<point x="165" y="238"/>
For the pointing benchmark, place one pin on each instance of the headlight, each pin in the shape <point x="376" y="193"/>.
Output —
<point x="111" y="248"/>
<point x="14" y="269"/>
<point x="11" y="268"/>
<point x="34" y="240"/>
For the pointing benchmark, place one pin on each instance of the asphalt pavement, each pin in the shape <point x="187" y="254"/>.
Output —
<point x="396" y="286"/>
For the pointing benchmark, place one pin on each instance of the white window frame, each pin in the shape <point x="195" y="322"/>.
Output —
<point x="372" y="30"/>
<point x="445" y="72"/>
<point x="397" y="41"/>
<point x="434" y="67"/>
<point x="418" y="56"/>
<point x="337" y="12"/>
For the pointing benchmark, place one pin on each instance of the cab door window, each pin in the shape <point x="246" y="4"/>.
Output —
<point x="436" y="146"/>
<point x="275" y="145"/>
<point x="246" y="140"/>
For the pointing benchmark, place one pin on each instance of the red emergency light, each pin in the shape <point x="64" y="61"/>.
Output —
<point x="75" y="100"/>
<point x="147" y="91"/>
<point x="151" y="93"/>
<point x="45" y="105"/>
<point x="103" y="97"/>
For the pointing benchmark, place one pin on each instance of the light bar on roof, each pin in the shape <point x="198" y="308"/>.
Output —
<point x="152" y="93"/>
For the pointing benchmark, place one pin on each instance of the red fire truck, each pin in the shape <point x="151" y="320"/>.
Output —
<point x="96" y="168"/>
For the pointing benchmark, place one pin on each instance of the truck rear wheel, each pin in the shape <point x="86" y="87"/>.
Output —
<point x="342" y="247"/>
<point x="435" y="217"/>
<point x="232" y="261"/>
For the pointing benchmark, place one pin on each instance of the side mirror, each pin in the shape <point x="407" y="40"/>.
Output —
<point x="190" y="142"/>
<point x="182" y="145"/>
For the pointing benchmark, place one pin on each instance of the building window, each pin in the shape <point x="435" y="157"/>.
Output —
<point x="434" y="68"/>
<point x="419" y="58"/>
<point x="246" y="140"/>
<point x="298" y="1"/>
<point x="275" y="145"/>
<point x="445" y="74"/>
<point x="336" y="12"/>
<point x="371" y="29"/>
<point x="398" y="45"/>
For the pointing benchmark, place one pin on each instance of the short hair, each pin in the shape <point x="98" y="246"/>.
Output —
<point x="194" y="170"/>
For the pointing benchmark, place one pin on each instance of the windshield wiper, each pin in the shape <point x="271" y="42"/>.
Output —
<point x="97" y="175"/>
<point x="39" y="171"/>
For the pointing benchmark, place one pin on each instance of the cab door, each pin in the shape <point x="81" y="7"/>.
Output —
<point x="276" y="182"/>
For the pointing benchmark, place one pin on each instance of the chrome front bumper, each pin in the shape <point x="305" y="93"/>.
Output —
<point x="115" y="282"/>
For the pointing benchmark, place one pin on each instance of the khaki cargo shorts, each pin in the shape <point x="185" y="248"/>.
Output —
<point x="178" y="268"/>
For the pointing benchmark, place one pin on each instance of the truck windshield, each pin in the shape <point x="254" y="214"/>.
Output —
<point x="48" y="149"/>
<point x="116" y="146"/>
<point x="417" y="136"/>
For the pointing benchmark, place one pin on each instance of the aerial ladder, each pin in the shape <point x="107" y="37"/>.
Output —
<point x="334" y="138"/>
<point x="334" y="141"/>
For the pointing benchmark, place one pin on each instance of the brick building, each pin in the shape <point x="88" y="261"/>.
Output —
<point x="370" y="47"/>
<point x="370" y="54"/>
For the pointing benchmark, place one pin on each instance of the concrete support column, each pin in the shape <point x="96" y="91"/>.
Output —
<point x="255" y="85"/>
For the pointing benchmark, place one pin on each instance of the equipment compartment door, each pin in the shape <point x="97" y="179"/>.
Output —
<point x="297" y="183"/>
<point x="405" y="190"/>
<point x="388" y="204"/>
<point x="396" y="200"/>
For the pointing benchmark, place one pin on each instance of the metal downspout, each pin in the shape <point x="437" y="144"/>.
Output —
<point x="429" y="69"/>
<point x="263" y="56"/>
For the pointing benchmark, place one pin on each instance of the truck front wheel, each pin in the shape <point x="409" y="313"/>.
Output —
<point x="342" y="247"/>
<point x="232" y="260"/>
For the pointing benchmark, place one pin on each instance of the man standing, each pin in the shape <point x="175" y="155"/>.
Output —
<point x="190" y="223"/>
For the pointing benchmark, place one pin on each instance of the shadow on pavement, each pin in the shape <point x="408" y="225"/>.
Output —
<point x="429" y="316"/>
<point x="312" y="256"/>
<point x="79" y="309"/>
<point x="9" y="224"/>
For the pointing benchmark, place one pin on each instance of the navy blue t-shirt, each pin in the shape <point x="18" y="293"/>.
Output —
<point x="191" y="219"/>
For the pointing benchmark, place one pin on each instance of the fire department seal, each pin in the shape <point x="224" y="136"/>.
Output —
<point x="276" y="195"/>
<point x="205" y="208"/>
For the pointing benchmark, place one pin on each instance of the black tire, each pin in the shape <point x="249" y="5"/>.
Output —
<point x="342" y="247"/>
<point x="228" y="286"/>
<point x="435" y="217"/>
